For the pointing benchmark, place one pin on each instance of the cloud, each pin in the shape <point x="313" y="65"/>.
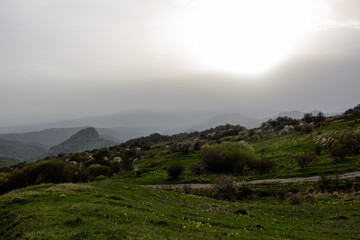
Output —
<point x="345" y="13"/>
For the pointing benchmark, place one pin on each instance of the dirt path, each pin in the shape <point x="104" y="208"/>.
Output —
<point x="275" y="180"/>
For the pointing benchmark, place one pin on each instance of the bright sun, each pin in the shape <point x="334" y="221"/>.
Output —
<point x="247" y="36"/>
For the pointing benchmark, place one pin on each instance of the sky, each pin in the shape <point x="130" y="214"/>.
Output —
<point x="65" y="59"/>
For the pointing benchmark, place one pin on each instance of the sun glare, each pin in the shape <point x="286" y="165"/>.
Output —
<point x="247" y="36"/>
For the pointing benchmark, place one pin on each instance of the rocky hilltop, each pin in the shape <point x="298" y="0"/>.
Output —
<point x="85" y="139"/>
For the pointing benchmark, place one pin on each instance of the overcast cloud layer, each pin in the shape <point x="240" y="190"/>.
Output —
<point x="65" y="59"/>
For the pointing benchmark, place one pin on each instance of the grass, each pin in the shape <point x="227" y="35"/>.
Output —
<point x="112" y="210"/>
<point x="283" y="149"/>
<point x="118" y="208"/>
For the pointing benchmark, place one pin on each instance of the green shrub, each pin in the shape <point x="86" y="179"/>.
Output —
<point x="317" y="150"/>
<point x="307" y="128"/>
<point x="325" y="183"/>
<point x="228" y="157"/>
<point x="245" y="191"/>
<point x="264" y="165"/>
<point x="351" y="142"/>
<point x="338" y="152"/>
<point x="115" y="166"/>
<point x="174" y="171"/>
<point x="46" y="171"/>
<point x="198" y="168"/>
<point x="127" y="163"/>
<point x="224" y="184"/>
<point x="295" y="200"/>
<point x="96" y="170"/>
<point x="304" y="159"/>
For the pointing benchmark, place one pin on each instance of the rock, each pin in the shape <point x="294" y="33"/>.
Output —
<point x="211" y="135"/>
<point x="287" y="129"/>
<point x="266" y="127"/>
<point x="117" y="159"/>
<point x="242" y="135"/>
<point x="184" y="147"/>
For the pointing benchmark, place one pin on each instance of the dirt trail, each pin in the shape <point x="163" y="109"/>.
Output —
<point x="274" y="180"/>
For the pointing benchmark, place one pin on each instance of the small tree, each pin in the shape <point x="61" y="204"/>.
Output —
<point x="304" y="159"/>
<point x="307" y="117"/>
<point x="174" y="171"/>
<point x="320" y="117"/>
<point x="224" y="184"/>
<point x="338" y="152"/>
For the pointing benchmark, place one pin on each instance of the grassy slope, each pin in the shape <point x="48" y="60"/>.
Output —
<point x="283" y="149"/>
<point x="112" y="210"/>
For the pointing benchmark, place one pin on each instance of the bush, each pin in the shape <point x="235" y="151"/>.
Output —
<point x="127" y="163"/>
<point x="228" y="157"/>
<point x="338" y="152"/>
<point x="224" y="184"/>
<point x="317" y="150"/>
<point x="295" y="200"/>
<point x="184" y="147"/>
<point x="96" y="170"/>
<point x="264" y="165"/>
<point x="351" y="142"/>
<point x="325" y="183"/>
<point x="46" y="171"/>
<point x="280" y="122"/>
<point x="308" y="117"/>
<point x="307" y="128"/>
<point x="198" y="168"/>
<point x="245" y="192"/>
<point x="304" y="159"/>
<point x="174" y="171"/>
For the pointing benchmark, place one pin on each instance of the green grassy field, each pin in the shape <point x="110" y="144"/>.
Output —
<point x="113" y="210"/>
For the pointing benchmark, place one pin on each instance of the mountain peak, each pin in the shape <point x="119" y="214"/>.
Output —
<point x="86" y="133"/>
<point x="85" y="139"/>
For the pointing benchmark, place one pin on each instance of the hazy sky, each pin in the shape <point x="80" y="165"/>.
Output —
<point x="63" y="59"/>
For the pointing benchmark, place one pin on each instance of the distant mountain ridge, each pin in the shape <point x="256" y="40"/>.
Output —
<point x="19" y="150"/>
<point x="300" y="115"/>
<point x="225" y="118"/>
<point x="46" y="138"/>
<point x="85" y="139"/>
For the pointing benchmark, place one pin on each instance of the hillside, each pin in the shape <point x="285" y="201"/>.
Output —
<point x="6" y="162"/>
<point x="115" y="206"/>
<point x="85" y="139"/>
<point x="47" y="137"/>
<point x="19" y="150"/>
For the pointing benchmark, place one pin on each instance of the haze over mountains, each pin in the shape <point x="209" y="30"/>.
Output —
<point x="140" y="120"/>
